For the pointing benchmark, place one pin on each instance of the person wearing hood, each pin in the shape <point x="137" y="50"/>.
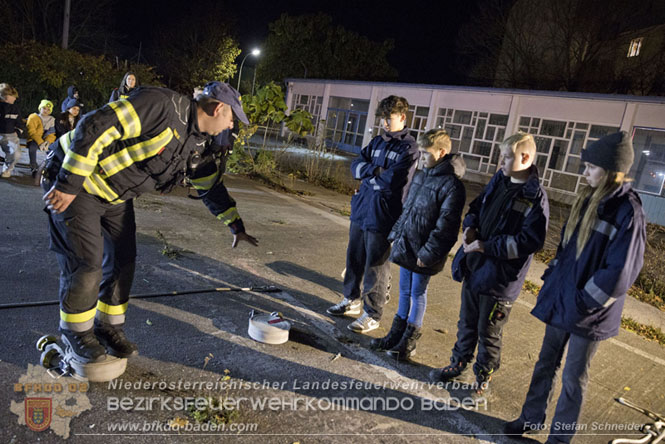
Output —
<point x="69" y="118"/>
<point x="72" y="93"/>
<point x="129" y="82"/>
<point x="41" y="132"/>
<point x="422" y="237"/>
<point x="505" y="225"/>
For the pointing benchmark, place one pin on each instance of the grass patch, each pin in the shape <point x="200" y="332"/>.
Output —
<point x="646" y="331"/>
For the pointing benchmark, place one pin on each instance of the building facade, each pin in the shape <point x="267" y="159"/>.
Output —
<point x="478" y="119"/>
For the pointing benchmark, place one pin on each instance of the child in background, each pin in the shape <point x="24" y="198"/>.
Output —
<point x="72" y="93"/>
<point x="11" y="126"/>
<point x="67" y="120"/>
<point x="506" y="224"/>
<point x="423" y="236"/>
<point x="129" y="82"/>
<point x="599" y="257"/>
<point x="41" y="132"/>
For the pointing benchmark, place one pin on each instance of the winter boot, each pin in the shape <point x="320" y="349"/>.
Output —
<point x="113" y="338"/>
<point x="83" y="344"/>
<point x="393" y="336"/>
<point x="448" y="372"/>
<point x="406" y="347"/>
<point x="482" y="385"/>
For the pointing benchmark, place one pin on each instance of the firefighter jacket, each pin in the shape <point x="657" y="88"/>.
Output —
<point x="150" y="141"/>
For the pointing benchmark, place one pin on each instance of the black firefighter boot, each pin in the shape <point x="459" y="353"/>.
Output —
<point x="406" y="347"/>
<point x="83" y="344"/>
<point x="113" y="338"/>
<point x="393" y="336"/>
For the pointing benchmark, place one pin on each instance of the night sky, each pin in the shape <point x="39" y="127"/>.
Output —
<point x="424" y="31"/>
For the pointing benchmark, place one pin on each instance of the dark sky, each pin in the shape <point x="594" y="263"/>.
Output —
<point x="424" y="31"/>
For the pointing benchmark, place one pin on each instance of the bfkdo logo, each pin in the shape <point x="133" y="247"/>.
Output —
<point x="38" y="413"/>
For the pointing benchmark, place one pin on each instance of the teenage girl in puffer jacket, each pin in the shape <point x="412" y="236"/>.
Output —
<point x="423" y="236"/>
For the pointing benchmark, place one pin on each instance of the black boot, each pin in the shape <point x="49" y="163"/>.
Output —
<point x="113" y="338"/>
<point x="83" y="344"/>
<point x="393" y="336"/>
<point x="406" y="347"/>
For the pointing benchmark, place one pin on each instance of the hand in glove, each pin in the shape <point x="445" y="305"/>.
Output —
<point x="43" y="146"/>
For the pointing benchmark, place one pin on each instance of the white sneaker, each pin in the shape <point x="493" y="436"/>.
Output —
<point x="347" y="307"/>
<point x="6" y="174"/>
<point x="364" y="324"/>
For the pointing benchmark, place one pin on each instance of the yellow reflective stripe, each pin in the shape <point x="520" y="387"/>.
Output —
<point x="131" y="124"/>
<point x="78" y="317"/>
<point x="84" y="166"/>
<point x="229" y="216"/>
<point x="94" y="184"/>
<point x="112" y="309"/>
<point x="135" y="153"/>
<point x="204" y="183"/>
<point x="66" y="140"/>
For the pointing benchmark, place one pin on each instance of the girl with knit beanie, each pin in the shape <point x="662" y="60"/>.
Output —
<point x="598" y="259"/>
<point x="41" y="132"/>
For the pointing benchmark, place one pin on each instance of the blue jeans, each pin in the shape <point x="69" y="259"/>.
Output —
<point x="574" y="380"/>
<point x="412" y="296"/>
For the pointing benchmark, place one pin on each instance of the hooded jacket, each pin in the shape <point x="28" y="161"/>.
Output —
<point x="10" y="119"/>
<point x="385" y="167"/>
<point x="430" y="220"/>
<point x="500" y="271"/>
<point x="585" y="296"/>
<point x="148" y="142"/>
<point x="70" y="95"/>
<point x="123" y="91"/>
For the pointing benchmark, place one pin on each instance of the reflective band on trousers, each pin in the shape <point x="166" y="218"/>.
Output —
<point x="78" y="322"/>
<point x="111" y="314"/>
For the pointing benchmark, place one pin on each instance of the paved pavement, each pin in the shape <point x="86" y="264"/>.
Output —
<point x="324" y="385"/>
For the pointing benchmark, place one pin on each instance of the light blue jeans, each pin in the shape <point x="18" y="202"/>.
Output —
<point x="10" y="144"/>
<point x="412" y="296"/>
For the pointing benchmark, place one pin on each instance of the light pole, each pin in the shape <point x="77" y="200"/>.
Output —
<point x="255" y="52"/>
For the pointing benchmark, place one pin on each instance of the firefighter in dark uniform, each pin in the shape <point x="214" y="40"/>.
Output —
<point x="153" y="140"/>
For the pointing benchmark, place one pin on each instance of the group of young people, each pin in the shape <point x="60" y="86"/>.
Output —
<point x="42" y="128"/>
<point x="419" y="212"/>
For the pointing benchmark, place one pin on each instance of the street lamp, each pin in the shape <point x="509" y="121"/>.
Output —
<point x="255" y="52"/>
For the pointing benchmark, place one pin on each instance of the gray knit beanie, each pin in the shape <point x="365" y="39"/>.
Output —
<point x="613" y="152"/>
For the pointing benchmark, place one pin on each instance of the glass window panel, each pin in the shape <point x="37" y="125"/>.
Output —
<point x="360" y="105"/>
<point x="454" y="131"/>
<point x="472" y="162"/>
<point x="462" y="117"/>
<point x="581" y="125"/>
<point x="454" y="146"/>
<point x="559" y="148"/>
<point x="553" y="128"/>
<point x="422" y="111"/>
<point x="489" y="134"/>
<point x="500" y="134"/>
<point x="577" y="143"/>
<point x="524" y="121"/>
<point x="319" y="100"/>
<point x="304" y="100"/>
<point x="482" y="148"/>
<point x="542" y="144"/>
<point x="649" y="166"/>
<point x="480" y="128"/>
<point x="565" y="182"/>
<point x="598" y="131"/>
<point x="574" y="165"/>
<point x="541" y="161"/>
<point x="499" y="119"/>
<point x="496" y="152"/>
<point x="362" y="123"/>
<point x="467" y="135"/>
<point x="535" y="122"/>
<point x="450" y="112"/>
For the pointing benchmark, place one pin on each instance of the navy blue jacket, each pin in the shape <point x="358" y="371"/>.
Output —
<point x="430" y="221"/>
<point x="385" y="167"/>
<point x="502" y="268"/>
<point x="584" y="296"/>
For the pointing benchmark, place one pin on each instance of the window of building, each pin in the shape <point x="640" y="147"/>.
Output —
<point x="311" y="104"/>
<point x="634" y="47"/>
<point x="648" y="169"/>
<point x="346" y="123"/>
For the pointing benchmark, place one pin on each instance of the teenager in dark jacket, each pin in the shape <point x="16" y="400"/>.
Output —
<point x="129" y="82"/>
<point x="69" y="118"/>
<point x="598" y="259"/>
<point x="423" y="236"/>
<point x="11" y="126"/>
<point x="385" y="167"/>
<point x="506" y="224"/>
<point x="72" y="93"/>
